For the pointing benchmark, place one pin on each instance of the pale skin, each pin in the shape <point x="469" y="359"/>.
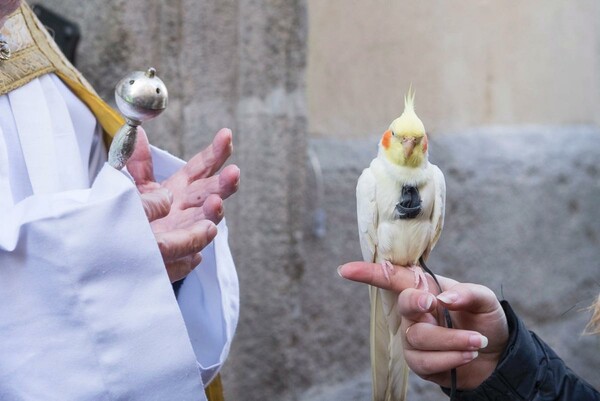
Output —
<point x="184" y="209"/>
<point x="475" y="344"/>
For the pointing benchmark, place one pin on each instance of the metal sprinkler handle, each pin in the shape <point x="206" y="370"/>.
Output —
<point x="140" y="96"/>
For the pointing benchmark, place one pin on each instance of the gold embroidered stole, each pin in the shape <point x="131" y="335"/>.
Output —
<point x="34" y="53"/>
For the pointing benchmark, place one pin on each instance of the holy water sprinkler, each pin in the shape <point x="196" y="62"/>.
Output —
<point x="140" y="96"/>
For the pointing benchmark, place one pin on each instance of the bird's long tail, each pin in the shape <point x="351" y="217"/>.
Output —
<point x="389" y="369"/>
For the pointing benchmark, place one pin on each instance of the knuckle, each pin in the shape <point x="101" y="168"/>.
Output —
<point x="417" y="341"/>
<point x="427" y="366"/>
<point x="197" y="243"/>
<point x="422" y="365"/>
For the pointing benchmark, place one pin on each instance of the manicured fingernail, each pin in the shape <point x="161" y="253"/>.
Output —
<point x="469" y="356"/>
<point x="478" y="341"/>
<point x="425" y="302"/>
<point x="448" y="297"/>
<point x="339" y="271"/>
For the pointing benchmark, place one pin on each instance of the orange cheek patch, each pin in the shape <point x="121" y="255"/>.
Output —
<point x="425" y="143"/>
<point x="385" y="141"/>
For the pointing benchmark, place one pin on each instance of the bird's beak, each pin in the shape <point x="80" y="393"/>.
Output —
<point x="408" y="145"/>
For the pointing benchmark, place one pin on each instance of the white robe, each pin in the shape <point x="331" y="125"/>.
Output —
<point x="87" y="311"/>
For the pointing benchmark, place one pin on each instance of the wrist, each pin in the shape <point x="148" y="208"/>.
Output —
<point x="516" y="370"/>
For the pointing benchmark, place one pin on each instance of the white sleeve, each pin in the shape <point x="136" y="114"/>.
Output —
<point x="86" y="301"/>
<point x="84" y="294"/>
<point x="209" y="296"/>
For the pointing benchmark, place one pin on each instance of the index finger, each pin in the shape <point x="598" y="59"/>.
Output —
<point x="397" y="280"/>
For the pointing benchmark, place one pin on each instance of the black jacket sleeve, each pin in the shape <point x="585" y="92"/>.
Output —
<point x="529" y="370"/>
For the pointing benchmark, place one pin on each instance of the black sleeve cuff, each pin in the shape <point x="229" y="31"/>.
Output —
<point x="521" y="366"/>
<point x="176" y="286"/>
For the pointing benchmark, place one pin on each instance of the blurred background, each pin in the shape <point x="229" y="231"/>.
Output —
<point x="508" y="91"/>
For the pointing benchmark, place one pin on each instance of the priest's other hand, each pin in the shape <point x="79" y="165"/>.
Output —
<point x="474" y="346"/>
<point x="184" y="209"/>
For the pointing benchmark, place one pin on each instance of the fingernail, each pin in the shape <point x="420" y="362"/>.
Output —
<point x="478" y="341"/>
<point x="425" y="302"/>
<point x="170" y="195"/>
<point x="339" y="271"/>
<point x="212" y="230"/>
<point x="469" y="356"/>
<point x="448" y="297"/>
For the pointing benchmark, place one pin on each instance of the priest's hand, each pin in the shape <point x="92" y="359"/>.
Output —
<point x="474" y="346"/>
<point x="184" y="209"/>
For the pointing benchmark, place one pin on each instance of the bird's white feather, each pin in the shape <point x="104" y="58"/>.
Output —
<point x="366" y="211"/>
<point x="401" y="242"/>
<point x="439" y="209"/>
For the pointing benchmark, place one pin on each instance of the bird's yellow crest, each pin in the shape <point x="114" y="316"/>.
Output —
<point x="405" y="142"/>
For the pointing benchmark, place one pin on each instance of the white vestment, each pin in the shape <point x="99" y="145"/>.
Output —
<point x="87" y="311"/>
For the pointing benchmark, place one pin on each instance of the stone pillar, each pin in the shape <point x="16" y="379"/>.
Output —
<point x="267" y="223"/>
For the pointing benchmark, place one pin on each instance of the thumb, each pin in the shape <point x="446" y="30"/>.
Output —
<point x="157" y="203"/>
<point x="140" y="163"/>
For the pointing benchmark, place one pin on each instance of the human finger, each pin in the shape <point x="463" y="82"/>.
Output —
<point x="224" y="184"/>
<point x="469" y="297"/>
<point x="413" y="303"/>
<point x="180" y="268"/>
<point x="431" y="337"/>
<point x="429" y="363"/>
<point x="212" y="209"/>
<point x="157" y="203"/>
<point x="398" y="279"/>
<point x="179" y="243"/>
<point x="139" y="164"/>
<point x="229" y="181"/>
<point x="212" y="158"/>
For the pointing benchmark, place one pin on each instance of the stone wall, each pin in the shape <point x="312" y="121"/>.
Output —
<point x="471" y="63"/>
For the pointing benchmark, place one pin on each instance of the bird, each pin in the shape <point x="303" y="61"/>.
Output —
<point x="400" y="214"/>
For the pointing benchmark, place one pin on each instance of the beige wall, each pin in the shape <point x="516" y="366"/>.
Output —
<point x="472" y="63"/>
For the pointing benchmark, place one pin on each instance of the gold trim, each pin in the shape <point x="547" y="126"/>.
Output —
<point x="214" y="391"/>
<point x="34" y="53"/>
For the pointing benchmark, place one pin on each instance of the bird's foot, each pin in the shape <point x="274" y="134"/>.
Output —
<point x="387" y="268"/>
<point x="420" y="277"/>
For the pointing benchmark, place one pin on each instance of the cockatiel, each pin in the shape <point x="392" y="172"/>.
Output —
<point x="400" y="209"/>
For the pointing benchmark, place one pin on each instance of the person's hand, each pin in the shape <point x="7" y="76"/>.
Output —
<point x="475" y="344"/>
<point x="184" y="209"/>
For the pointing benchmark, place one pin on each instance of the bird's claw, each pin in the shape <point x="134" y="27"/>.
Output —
<point x="419" y="277"/>
<point x="387" y="268"/>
